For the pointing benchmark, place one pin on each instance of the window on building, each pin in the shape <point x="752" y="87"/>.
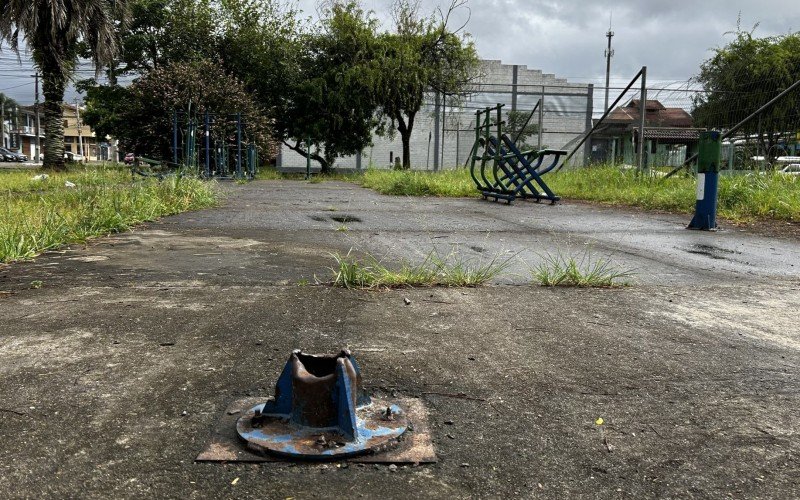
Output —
<point x="66" y="123"/>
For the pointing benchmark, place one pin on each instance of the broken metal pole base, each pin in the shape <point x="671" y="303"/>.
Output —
<point x="320" y="412"/>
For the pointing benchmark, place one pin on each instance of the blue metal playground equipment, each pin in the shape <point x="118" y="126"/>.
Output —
<point x="223" y="151"/>
<point x="500" y="170"/>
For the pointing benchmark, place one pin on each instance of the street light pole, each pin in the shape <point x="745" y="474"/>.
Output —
<point x="78" y="123"/>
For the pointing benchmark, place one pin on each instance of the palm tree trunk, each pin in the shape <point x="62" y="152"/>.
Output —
<point x="53" y="87"/>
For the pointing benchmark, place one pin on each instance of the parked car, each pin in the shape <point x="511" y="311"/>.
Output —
<point x="130" y="159"/>
<point x="12" y="156"/>
<point x="69" y="156"/>
<point x="791" y="169"/>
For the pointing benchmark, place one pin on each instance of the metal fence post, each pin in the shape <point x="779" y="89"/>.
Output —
<point x="436" y="144"/>
<point x="643" y="111"/>
<point x="587" y="148"/>
<point x="708" y="158"/>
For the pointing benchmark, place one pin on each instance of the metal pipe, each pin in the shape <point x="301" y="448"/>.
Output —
<point x="738" y="125"/>
<point x="607" y="112"/>
<point x="643" y="115"/>
<point x="519" y="133"/>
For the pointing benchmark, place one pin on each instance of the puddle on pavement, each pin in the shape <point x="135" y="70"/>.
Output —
<point x="711" y="251"/>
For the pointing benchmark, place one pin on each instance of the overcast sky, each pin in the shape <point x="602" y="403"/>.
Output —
<point x="670" y="37"/>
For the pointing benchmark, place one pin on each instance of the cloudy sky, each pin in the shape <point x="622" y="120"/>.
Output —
<point x="670" y="37"/>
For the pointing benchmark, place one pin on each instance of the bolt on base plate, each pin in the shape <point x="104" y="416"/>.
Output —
<point x="379" y="430"/>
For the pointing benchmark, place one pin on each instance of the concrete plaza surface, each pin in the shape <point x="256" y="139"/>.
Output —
<point x="120" y="358"/>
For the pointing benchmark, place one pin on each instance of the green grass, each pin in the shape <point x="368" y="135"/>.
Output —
<point x="558" y="270"/>
<point x="450" y="271"/>
<point x="742" y="198"/>
<point x="40" y="215"/>
<point x="447" y="183"/>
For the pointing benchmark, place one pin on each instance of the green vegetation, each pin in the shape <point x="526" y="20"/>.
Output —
<point x="451" y="270"/>
<point x="741" y="197"/>
<point x="38" y="215"/>
<point x="559" y="270"/>
<point x="56" y="33"/>
<point x="448" y="183"/>
<point x="743" y="75"/>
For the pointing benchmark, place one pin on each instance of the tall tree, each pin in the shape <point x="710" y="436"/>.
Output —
<point x="54" y="31"/>
<point x="317" y="81"/>
<point x="742" y="76"/>
<point x="334" y="105"/>
<point x="422" y="56"/>
<point x="145" y="112"/>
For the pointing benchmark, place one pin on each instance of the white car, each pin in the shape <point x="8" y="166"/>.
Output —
<point x="73" y="156"/>
<point x="791" y="169"/>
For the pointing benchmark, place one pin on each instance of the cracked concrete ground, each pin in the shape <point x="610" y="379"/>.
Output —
<point x="116" y="369"/>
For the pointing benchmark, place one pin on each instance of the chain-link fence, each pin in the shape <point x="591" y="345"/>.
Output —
<point x="443" y="135"/>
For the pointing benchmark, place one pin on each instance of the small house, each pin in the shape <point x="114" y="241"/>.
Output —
<point x="669" y="135"/>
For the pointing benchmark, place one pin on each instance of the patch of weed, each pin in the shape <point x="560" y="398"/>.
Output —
<point x="558" y="270"/>
<point x="451" y="271"/>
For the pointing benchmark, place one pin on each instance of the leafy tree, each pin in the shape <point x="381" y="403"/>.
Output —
<point x="333" y="103"/>
<point x="741" y="77"/>
<point x="145" y="122"/>
<point x="162" y="32"/>
<point x="56" y="31"/>
<point x="422" y="56"/>
<point x="316" y="81"/>
<point x="518" y="124"/>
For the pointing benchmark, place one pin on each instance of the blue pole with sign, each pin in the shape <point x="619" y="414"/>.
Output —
<point x="708" y="160"/>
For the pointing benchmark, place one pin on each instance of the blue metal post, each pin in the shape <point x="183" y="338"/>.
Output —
<point x="708" y="159"/>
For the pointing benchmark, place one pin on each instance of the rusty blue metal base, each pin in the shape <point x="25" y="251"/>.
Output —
<point x="321" y="412"/>
<point x="277" y="435"/>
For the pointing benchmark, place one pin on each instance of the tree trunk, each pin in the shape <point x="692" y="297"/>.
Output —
<point x="53" y="87"/>
<point x="324" y="165"/>
<point x="405" y="127"/>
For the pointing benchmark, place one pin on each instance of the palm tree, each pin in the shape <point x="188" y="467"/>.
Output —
<point x="55" y="31"/>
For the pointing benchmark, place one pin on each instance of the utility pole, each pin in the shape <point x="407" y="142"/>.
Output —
<point x="2" y="121"/>
<point x="78" y="120"/>
<point x="609" y="54"/>
<point x="38" y="148"/>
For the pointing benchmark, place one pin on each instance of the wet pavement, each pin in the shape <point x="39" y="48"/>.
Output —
<point x="116" y="369"/>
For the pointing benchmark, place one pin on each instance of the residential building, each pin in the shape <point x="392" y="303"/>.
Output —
<point x="669" y="135"/>
<point x="22" y="134"/>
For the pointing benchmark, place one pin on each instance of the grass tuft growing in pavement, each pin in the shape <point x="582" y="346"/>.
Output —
<point x="38" y="215"/>
<point x="450" y="271"/>
<point x="557" y="270"/>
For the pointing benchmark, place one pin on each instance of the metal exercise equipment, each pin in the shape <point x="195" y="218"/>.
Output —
<point x="500" y="170"/>
<point x="223" y="150"/>
<point x="321" y="412"/>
